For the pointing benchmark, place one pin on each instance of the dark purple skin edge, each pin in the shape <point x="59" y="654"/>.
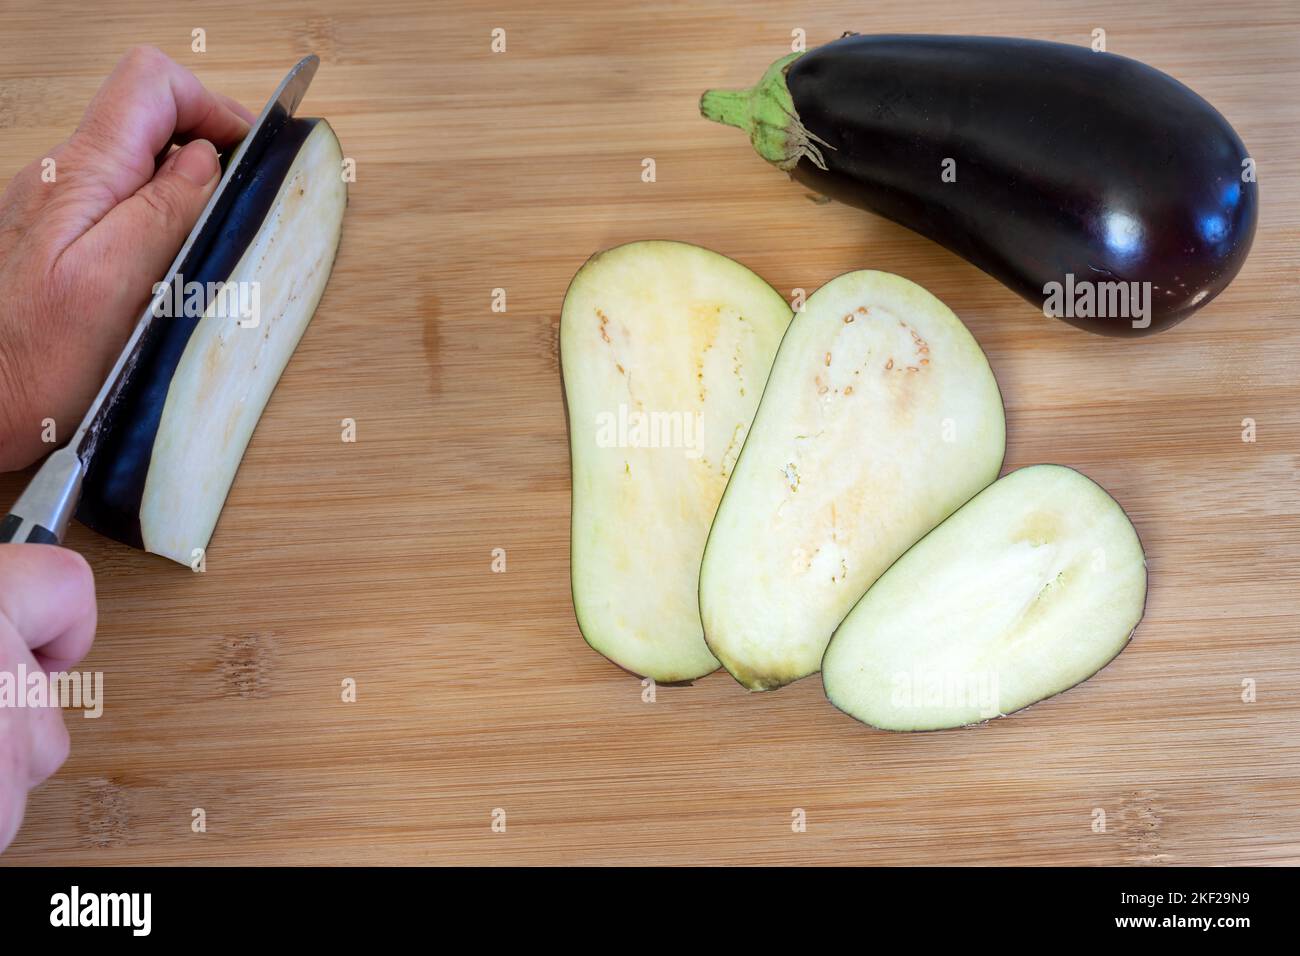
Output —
<point x="1067" y="161"/>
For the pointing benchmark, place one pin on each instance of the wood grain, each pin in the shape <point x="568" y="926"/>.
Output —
<point x="372" y="560"/>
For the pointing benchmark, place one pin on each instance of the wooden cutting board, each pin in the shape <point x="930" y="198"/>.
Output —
<point x="372" y="561"/>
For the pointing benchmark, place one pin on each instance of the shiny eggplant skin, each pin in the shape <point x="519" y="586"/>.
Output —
<point x="1071" y="167"/>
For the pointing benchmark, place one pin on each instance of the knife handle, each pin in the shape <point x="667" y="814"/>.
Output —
<point x="43" y="510"/>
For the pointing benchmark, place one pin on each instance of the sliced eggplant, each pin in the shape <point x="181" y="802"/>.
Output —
<point x="168" y="453"/>
<point x="665" y="348"/>
<point x="1029" y="589"/>
<point x="880" y="418"/>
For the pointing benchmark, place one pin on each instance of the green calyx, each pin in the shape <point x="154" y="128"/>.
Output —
<point x="766" y="113"/>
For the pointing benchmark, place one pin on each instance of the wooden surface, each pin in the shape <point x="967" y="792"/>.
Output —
<point x="475" y="691"/>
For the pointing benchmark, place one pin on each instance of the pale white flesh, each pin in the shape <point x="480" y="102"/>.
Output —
<point x="227" y="372"/>
<point x="880" y="418"/>
<point x="665" y="348"/>
<point x="1032" y="587"/>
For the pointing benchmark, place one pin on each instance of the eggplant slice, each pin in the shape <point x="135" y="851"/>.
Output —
<point x="880" y="418"/>
<point x="1029" y="589"/>
<point x="665" y="348"/>
<point x="169" y="451"/>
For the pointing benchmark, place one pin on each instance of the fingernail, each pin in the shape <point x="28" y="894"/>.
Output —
<point x="197" y="162"/>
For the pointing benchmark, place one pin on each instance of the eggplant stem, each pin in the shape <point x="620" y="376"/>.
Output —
<point x="766" y="113"/>
<point x="729" y="107"/>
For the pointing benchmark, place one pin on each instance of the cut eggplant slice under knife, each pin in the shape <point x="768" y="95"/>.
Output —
<point x="1029" y="589"/>
<point x="665" y="348"/>
<point x="168" y="454"/>
<point x="881" y="417"/>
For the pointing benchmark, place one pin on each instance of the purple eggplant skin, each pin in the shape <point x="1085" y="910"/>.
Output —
<point x="1071" y="166"/>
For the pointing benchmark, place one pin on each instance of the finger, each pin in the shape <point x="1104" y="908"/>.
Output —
<point x="180" y="139"/>
<point x="146" y="102"/>
<point x="47" y="743"/>
<point x="33" y="737"/>
<point x="236" y="107"/>
<point x="47" y="594"/>
<point x="153" y="223"/>
<point x="13" y="800"/>
<point x="62" y="656"/>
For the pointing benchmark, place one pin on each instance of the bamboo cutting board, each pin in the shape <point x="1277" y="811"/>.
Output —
<point x="373" y="561"/>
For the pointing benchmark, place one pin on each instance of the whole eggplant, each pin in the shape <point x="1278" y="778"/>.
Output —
<point x="1098" y="188"/>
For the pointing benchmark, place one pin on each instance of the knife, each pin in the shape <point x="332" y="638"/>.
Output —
<point x="43" y="510"/>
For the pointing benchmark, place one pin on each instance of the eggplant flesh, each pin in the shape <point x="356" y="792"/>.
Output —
<point x="167" y="455"/>
<point x="1099" y="189"/>
<point x="880" y="418"/>
<point x="1029" y="589"/>
<point x="665" y="348"/>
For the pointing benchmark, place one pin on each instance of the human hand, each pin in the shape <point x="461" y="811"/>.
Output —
<point x="79" y="256"/>
<point x="47" y="622"/>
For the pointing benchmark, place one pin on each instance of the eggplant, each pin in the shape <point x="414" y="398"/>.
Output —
<point x="1099" y="189"/>
<point x="880" y="418"/>
<point x="664" y="349"/>
<point x="173" y="440"/>
<point x="1028" y="590"/>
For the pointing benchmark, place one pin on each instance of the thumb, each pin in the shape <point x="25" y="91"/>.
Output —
<point x="143" y="233"/>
